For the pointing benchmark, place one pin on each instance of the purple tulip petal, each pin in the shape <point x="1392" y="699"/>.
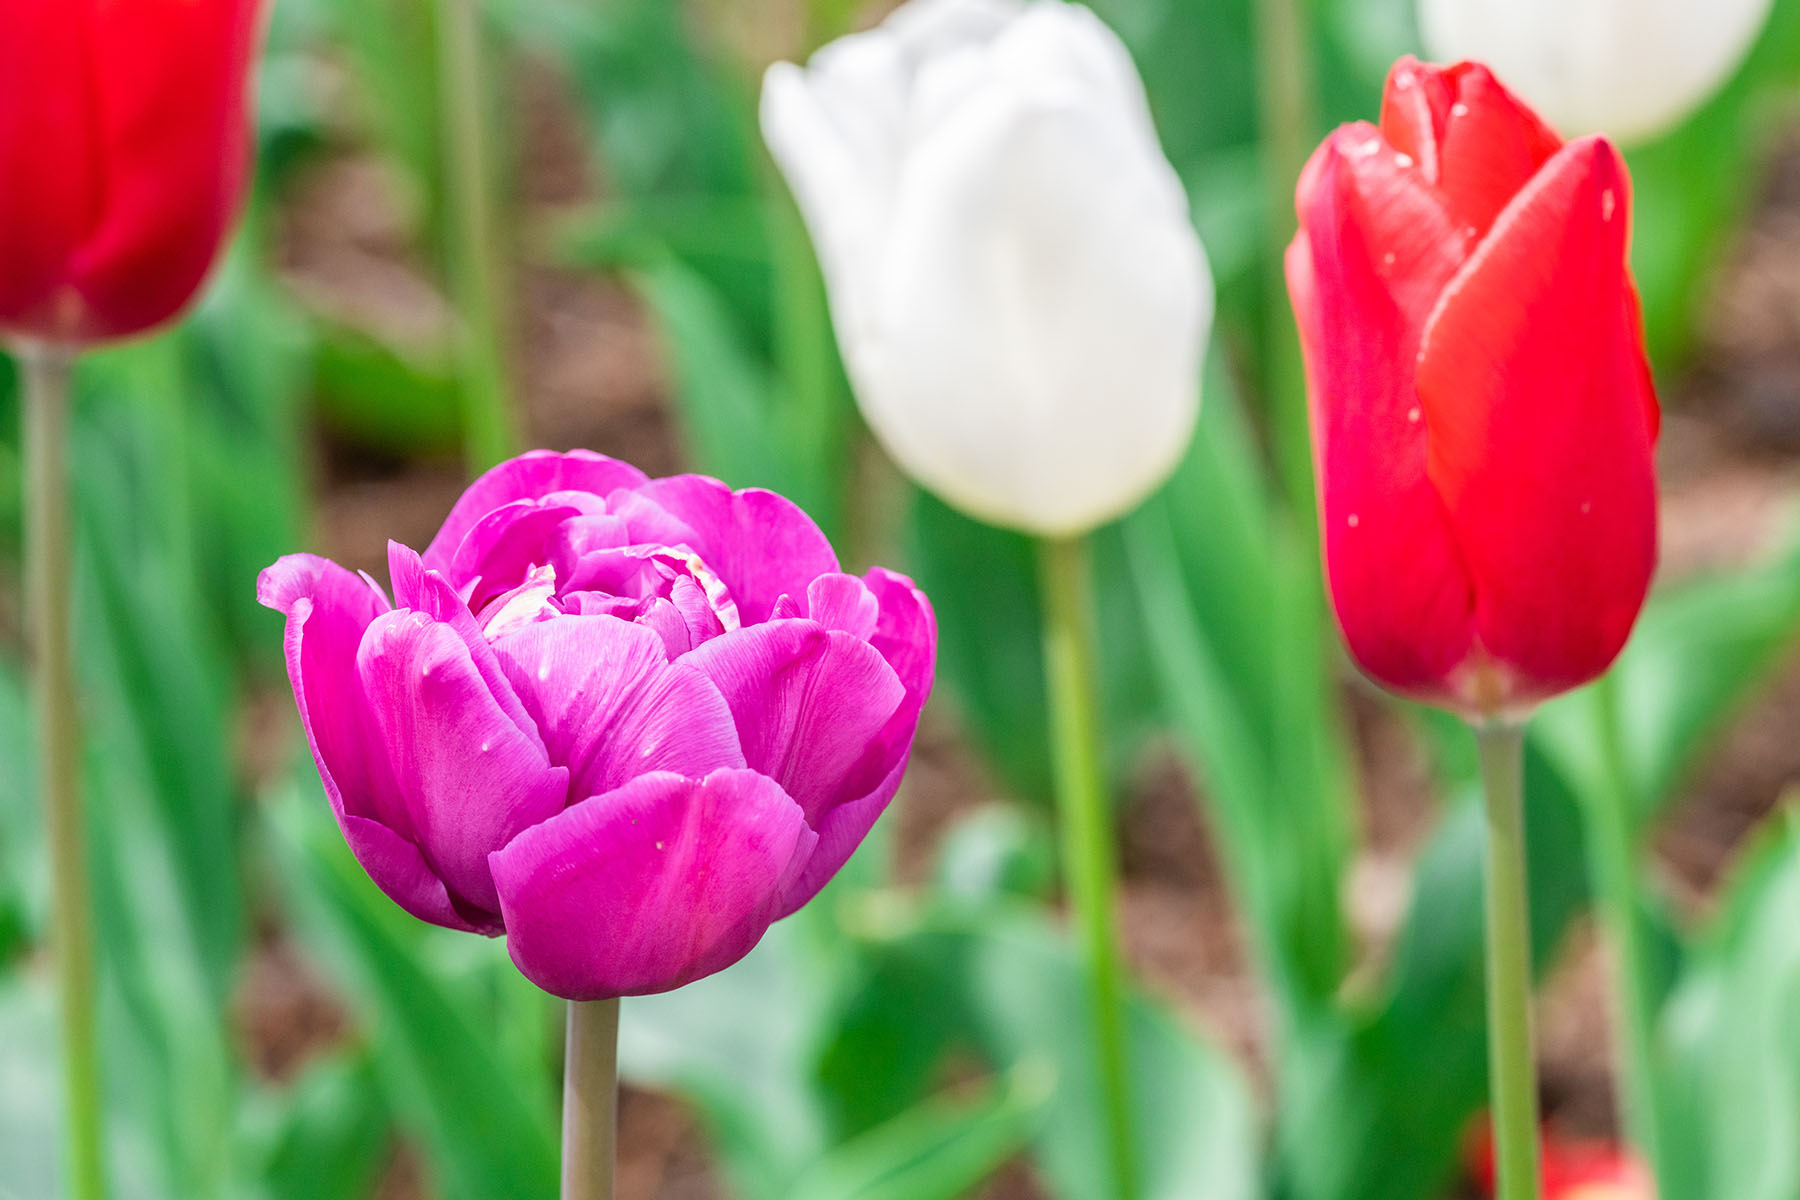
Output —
<point x="905" y="636"/>
<point x="759" y="543"/>
<point x="843" y="602"/>
<point x="611" y="706"/>
<point x="328" y="609"/>
<point x="650" y="886"/>
<point x="528" y="477"/>
<point x="471" y="777"/>
<point x="809" y="704"/>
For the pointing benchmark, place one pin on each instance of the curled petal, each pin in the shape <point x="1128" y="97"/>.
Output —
<point x="905" y="635"/>
<point x="650" y="886"/>
<point x="469" y="775"/>
<point x="610" y="704"/>
<point x="328" y="609"/>
<point x="758" y="542"/>
<point x="1398" y="584"/>
<point x="810" y="706"/>
<point x="1537" y="395"/>
<point x="530" y="476"/>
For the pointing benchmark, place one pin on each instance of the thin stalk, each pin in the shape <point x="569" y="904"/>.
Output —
<point x="1612" y="868"/>
<point x="590" y="1099"/>
<point x="1512" y="1070"/>
<point x="49" y="553"/>
<point x="490" y="428"/>
<point x="1285" y="127"/>
<point x="1085" y="820"/>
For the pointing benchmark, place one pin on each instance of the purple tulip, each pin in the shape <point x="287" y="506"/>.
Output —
<point x="628" y="722"/>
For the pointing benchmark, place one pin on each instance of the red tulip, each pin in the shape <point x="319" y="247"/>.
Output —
<point x="1574" y="1169"/>
<point x="124" y="140"/>
<point x="1483" y="414"/>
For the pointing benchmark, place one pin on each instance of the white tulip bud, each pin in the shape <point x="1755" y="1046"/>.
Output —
<point x="1015" y="281"/>
<point x="1627" y="68"/>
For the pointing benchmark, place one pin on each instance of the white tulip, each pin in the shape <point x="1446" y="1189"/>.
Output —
<point x="1015" y="281"/>
<point x="1626" y="68"/>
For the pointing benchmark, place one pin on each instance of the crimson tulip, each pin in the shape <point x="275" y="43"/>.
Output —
<point x="124" y="143"/>
<point x="1575" y="1169"/>
<point x="1483" y="413"/>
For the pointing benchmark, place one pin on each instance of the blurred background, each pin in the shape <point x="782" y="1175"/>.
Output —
<point x="1301" y="902"/>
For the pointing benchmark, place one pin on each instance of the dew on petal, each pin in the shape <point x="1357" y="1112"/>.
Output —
<point x="1413" y="414"/>
<point x="1403" y="159"/>
<point x="1354" y="520"/>
<point x="1459" y="109"/>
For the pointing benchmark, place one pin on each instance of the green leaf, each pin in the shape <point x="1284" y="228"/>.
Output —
<point x="437" y="1062"/>
<point x="326" y="1135"/>
<point x="938" y="1150"/>
<point x="1733" y="1035"/>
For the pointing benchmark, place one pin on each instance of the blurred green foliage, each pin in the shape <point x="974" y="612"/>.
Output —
<point x="887" y="1043"/>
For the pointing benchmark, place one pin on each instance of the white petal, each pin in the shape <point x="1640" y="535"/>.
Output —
<point x="1627" y="68"/>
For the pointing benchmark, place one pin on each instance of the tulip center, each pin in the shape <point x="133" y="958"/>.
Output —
<point x="670" y="587"/>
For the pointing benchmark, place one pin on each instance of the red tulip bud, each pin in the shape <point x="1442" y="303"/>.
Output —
<point x="1483" y="414"/>
<point x="124" y="138"/>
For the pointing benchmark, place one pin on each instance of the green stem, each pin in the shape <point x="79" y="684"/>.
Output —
<point x="1512" y="1070"/>
<point x="1612" y="867"/>
<point x="1086" y="824"/>
<point x="590" y="1099"/>
<point x="490" y="431"/>
<point x="49" y="546"/>
<point x="1285" y="107"/>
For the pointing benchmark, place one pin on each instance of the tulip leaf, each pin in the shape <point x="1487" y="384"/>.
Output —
<point x="938" y="1150"/>
<point x="1732" y="1030"/>
<point x="1231" y="603"/>
<point x="438" y="1064"/>
<point x="328" y="1134"/>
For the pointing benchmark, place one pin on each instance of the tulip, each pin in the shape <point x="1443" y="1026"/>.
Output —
<point x="124" y="143"/>
<point x="1482" y="410"/>
<point x="1018" y="292"/>
<point x="1483" y="423"/>
<point x="1626" y="68"/>
<point x="1577" y="1170"/>
<point x="626" y="722"/>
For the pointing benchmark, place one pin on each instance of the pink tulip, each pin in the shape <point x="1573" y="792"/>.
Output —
<point x="627" y="722"/>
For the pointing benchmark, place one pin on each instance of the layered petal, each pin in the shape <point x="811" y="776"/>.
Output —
<point x="810" y="705"/>
<point x="759" y="543"/>
<point x="1375" y="248"/>
<point x="1537" y="396"/>
<point x="649" y="886"/>
<point x="470" y="776"/>
<point x="530" y="476"/>
<point x="328" y="611"/>
<point x="611" y="706"/>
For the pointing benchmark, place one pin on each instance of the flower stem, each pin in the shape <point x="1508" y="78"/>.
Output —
<point x="490" y="431"/>
<point x="1512" y="1070"/>
<point x="1285" y="129"/>
<point x="1086" y="824"/>
<point x="590" y="1099"/>
<point x="1612" y="868"/>
<point x="49" y="546"/>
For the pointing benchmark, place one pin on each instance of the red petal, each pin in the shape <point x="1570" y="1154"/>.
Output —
<point x="1533" y="379"/>
<point x="1399" y="589"/>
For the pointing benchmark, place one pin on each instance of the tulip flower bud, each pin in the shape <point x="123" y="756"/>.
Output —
<point x="1575" y="1169"/>
<point x="124" y="144"/>
<point x="627" y="722"/>
<point x="1483" y="414"/>
<point x="1626" y="68"/>
<point x="1016" y="285"/>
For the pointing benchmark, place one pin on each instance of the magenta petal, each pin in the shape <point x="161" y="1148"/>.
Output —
<point x="650" y="886"/>
<point x="759" y="543"/>
<point x="843" y="602"/>
<point x="810" y="704"/>
<point x="527" y="477"/>
<point x="611" y="706"/>
<point x="906" y="636"/>
<point x="328" y="610"/>
<point x="471" y="778"/>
